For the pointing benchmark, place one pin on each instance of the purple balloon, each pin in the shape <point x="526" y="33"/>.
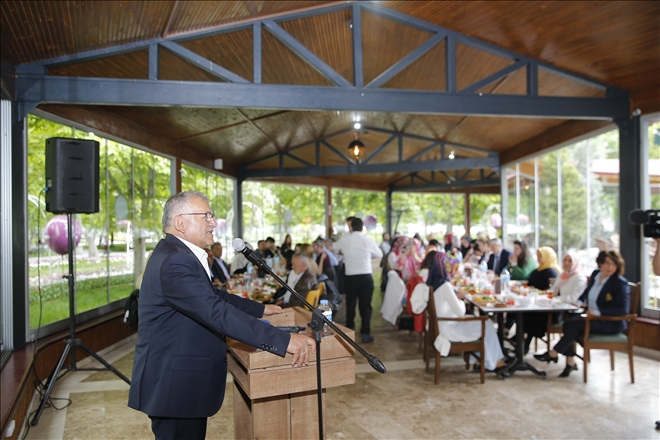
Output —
<point x="370" y="222"/>
<point x="496" y="221"/>
<point x="57" y="237"/>
<point x="221" y="227"/>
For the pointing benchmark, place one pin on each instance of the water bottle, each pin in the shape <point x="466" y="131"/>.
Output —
<point x="505" y="279"/>
<point x="324" y="306"/>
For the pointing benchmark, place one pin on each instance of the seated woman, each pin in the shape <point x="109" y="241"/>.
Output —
<point x="465" y="245"/>
<point x="548" y="270"/>
<point x="607" y="295"/>
<point x="521" y="264"/>
<point x="448" y="304"/>
<point x="536" y="324"/>
<point x="570" y="284"/>
<point x="483" y="243"/>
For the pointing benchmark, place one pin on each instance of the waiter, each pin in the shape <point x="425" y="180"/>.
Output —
<point x="180" y="366"/>
<point x="358" y="250"/>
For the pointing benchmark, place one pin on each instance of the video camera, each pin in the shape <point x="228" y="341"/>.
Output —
<point x="650" y="219"/>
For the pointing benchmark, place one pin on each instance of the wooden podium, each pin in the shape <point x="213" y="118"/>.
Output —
<point x="273" y="400"/>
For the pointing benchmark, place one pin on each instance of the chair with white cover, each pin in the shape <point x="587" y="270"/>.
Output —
<point x="392" y="301"/>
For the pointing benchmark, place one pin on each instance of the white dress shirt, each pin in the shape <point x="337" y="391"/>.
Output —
<point x="358" y="250"/>
<point x="200" y="253"/>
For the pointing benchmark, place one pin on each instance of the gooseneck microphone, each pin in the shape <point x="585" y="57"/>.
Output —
<point x="317" y="317"/>
<point x="244" y="248"/>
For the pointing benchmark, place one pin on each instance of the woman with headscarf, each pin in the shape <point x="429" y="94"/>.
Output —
<point x="536" y="324"/>
<point x="570" y="284"/>
<point x="450" y="305"/>
<point x="547" y="272"/>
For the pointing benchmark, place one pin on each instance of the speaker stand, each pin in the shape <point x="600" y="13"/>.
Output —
<point x="72" y="343"/>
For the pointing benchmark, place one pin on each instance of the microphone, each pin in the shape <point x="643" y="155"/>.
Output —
<point x="240" y="246"/>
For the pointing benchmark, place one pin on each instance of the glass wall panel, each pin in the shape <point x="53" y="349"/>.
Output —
<point x="651" y="200"/>
<point x="351" y="202"/>
<point x="548" y="200"/>
<point x="113" y="243"/>
<point x="485" y="215"/>
<point x="429" y="215"/>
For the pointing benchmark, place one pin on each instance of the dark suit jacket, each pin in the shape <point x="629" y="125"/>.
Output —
<point x="504" y="260"/>
<point x="217" y="272"/>
<point x="613" y="300"/>
<point x="180" y="366"/>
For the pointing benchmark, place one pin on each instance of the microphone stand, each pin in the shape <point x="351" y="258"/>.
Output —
<point x="318" y="320"/>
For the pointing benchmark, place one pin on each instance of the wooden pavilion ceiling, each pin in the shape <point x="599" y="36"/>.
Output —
<point x="613" y="42"/>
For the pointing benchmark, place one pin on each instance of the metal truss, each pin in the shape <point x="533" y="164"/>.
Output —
<point x="350" y="166"/>
<point x="441" y="180"/>
<point x="33" y="85"/>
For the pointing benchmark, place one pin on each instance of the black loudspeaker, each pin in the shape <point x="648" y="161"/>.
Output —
<point x="72" y="176"/>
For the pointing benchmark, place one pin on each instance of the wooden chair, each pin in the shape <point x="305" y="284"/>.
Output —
<point x="467" y="348"/>
<point x="621" y="341"/>
<point x="313" y="296"/>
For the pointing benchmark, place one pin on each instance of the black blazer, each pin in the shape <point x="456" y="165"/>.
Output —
<point x="217" y="272"/>
<point x="504" y="260"/>
<point x="613" y="300"/>
<point x="180" y="365"/>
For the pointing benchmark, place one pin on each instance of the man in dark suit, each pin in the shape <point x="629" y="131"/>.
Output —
<point x="180" y="365"/>
<point x="499" y="258"/>
<point x="219" y="269"/>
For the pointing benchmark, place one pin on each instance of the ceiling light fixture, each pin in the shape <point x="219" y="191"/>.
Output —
<point x="452" y="155"/>
<point x="357" y="125"/>
<point x="356" y="148"/>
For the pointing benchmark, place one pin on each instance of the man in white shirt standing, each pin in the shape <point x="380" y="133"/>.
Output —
<point x="358" y="250"/>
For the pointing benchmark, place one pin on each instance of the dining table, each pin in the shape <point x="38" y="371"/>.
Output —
<point x="517" y="305"/>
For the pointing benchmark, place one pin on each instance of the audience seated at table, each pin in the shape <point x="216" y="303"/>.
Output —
<point x="323" y="265"/>
<point x="536" y="324"/>
<point x="570" y="284"/>
<point x="465" y="245"/>
<point x="448" y="305"/>
<point x="300" y="278"/>
<point x="483" y="243"/>
<point x="543" y="276"/>
<point x="607" y="294"/>
<point x="475" y="254"/>
<point x="521" y="264"/>
<point x="419" y="319"/>
<point x="499" y="257"/>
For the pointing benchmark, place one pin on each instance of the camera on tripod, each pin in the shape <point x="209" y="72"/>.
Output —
<point x="650" y="219"/>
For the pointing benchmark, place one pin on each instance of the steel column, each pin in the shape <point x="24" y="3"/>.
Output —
<point x="19" y="228"/>
<point x="388" y="212"/>
<point x="630" y="194"/>
<point x="238" y="208"/>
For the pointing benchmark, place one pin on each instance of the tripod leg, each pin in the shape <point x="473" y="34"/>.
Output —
<point x="51" y="383"/>
<point x="104" y="362"/>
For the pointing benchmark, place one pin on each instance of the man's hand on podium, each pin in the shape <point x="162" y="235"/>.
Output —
<point x="301" y="347"/>
<point x="272" y="309"/>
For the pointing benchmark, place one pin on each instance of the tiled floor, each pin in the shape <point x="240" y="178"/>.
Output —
<point x="404" y="403"/>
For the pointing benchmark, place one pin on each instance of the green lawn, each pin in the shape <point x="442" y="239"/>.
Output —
<point x="58" y="308"/>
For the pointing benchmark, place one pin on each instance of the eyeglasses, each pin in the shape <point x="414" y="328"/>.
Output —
<point x="209" y="215"/>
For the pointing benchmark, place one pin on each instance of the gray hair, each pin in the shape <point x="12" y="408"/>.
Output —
<point x="177" y="203"/>
<point x="302" y="257"/>
<point x="496" y="242"/>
